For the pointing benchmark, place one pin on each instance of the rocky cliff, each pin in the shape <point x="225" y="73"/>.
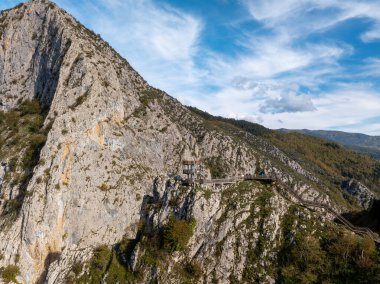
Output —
<point x="88" y="153"/>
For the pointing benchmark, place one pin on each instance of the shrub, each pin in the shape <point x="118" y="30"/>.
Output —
<point x="177" y="234"/>
<point x="37" y="140"/>
<point x="327" y="256"/>
<point x="34" y="123"/>
<point x="12" y="164"/>
<point x="10" y="273"/>
<point x="116" y="272"/>
<point x="77" y="268"/>
<point x="149" y="258"/>
<point x="107" y="263"/>
<point x="192" y="270"/>
<point x="163" y="130"/>
<point x="11" y="206"/>
<point x="30" y="107"/>
<point x="217" y="167"/>
<point x="104" y="187"/>
<point x="148" y="96"/>
<point x="24" y="139"/>
<point x="99" y="263"/>
<point x="207" y="194"/>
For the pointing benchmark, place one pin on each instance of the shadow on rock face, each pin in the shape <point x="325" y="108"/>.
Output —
<point x="51" y="257"/>
<point x="366" y="218"/>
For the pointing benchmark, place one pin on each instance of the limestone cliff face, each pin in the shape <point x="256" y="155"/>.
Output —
<point x="111" y="136"/>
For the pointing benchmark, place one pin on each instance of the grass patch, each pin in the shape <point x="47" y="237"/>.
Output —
<point x="108" y="264"/>
<point x="217" y="167"/>
<point x="21" y="139"/>
<point x="177" y="234"/>
<point x="9" y="273"/>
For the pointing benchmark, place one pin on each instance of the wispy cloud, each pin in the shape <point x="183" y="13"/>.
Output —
<point x="373" y="34"/>
<point x="284" y="55"/>
<point x="370" y="67"/>
<point x="158" y="40"/>
<point x="288" y="103"/>
<point x="305" y="17"/>
<point x="289" y="63"/>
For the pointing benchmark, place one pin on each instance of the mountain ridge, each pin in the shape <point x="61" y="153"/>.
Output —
<point x="356" y="141"/>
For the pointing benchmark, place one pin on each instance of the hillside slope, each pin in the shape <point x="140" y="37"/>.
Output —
<point x="334" y="165"/>
<point x="358" y="142"/>
<point x="88" y="153"/>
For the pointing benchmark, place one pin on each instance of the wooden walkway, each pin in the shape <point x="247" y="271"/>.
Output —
<point x="234" y="180"/>
<point x="284" y="190"/>
<point x="221" y="181"/>
<point x="344" y="221"/>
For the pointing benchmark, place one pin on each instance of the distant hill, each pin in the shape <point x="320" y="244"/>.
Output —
<point x="356" y="141"/>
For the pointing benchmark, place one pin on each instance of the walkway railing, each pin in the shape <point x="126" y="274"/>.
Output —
<point x="236" y="179"/>
<point x="221" y="180"/>
<point x="306" y="203"/>
<point x="344" y="221"/>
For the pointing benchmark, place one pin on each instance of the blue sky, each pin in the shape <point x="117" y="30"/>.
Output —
<point x="282" y="63"/>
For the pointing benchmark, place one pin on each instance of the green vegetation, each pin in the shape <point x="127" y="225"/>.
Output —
<point x="240" y="193"/>
<point x="207" y="193"/>
<point x="250" y="127"/>
<point x="111" y="264"/>
<point x="105" y="264"/>
<point x="369" y="145"/>
<point x="328" y="160"/>
<point x="216" y="166"/>
<point x="146" y="98"/>
<point x="99" y="263"/>
<point x="177" y="234"/>
<point x="188" y="272"/>
<point x="253" y="271"/>
<point x="21" y="140"/>
<point x="325" y="255"/>
<point x="9" y="273"/>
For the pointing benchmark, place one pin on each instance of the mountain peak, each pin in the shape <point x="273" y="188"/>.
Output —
<point x="33" y="3"/>
<point x="40" y="35"/>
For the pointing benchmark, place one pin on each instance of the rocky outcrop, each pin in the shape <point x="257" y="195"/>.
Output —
<point x="360" y="192"/>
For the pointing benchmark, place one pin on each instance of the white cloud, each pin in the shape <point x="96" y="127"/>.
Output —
<point x="263" y="82"/>
<point x="159" y="41"/>
<point x="288" y="103"/>
<point x="372" y="35"/>
<point x="370" y="68"/>
<point x="346" y="108"/>
<point x="301" y="18"/>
